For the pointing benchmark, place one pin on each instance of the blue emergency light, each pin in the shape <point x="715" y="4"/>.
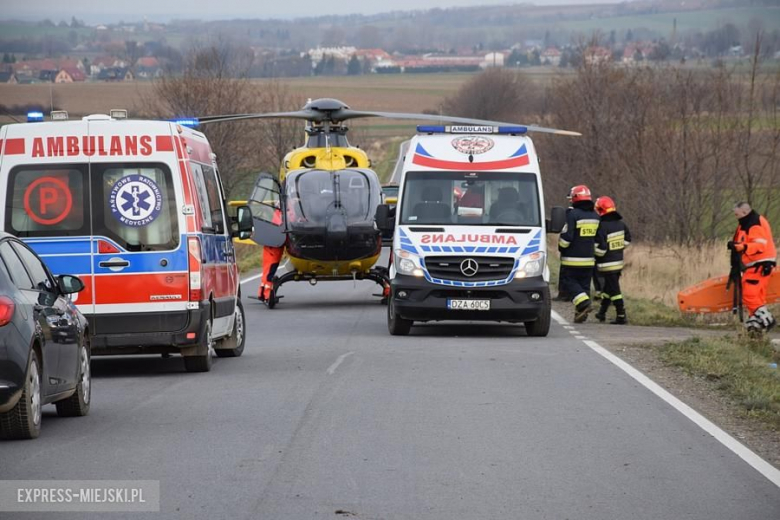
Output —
<point x="471" y="129"/>
<point x="34" y="117"/>
<point x="191" y="122"/>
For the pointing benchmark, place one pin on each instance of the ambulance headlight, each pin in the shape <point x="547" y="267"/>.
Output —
<point x="407" y="263"/>
<point x="531" y="265"/>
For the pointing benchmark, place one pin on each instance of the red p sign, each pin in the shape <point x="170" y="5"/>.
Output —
<point x="54" y="200"/>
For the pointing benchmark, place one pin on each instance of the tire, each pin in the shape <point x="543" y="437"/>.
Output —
<point x="239" y="334"/>
<point x="23" y="421"/>
<point x="201" y="363"/>
<point x="541" y="326"/>
<point x="271" y="300"/>
<point x="396" y="324"/>
<point x="77" y="405"/>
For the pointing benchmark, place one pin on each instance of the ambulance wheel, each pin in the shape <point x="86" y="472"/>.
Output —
<point x="239" y="334"/>
<point x="541" y="326"/>
<point x="396" y="324"/>
<point x="271" y="299"/>
<point x="201" y="363"/>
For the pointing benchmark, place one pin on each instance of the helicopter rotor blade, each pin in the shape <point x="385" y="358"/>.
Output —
<point x="306" y="115"/>
<point x="344" y="115"/>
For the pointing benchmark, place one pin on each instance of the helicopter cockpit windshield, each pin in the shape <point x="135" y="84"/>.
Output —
<point x="313" y="196"/>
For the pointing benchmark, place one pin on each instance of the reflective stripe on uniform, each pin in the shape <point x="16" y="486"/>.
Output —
<point x="577" y="262"/>
<point x="616" y="297"/>
<point x="600" y="252"/>
<point x="760" y="240"/>
<point x="610" y="266"/>
<point x="587" y="222"/>
<point x="580" y="298"/>
<point x="563" y="243"/>
<point x="758" y="261"/>
<point x="616" y="234"/>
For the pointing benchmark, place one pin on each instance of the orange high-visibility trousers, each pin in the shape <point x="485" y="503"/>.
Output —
<point x="754" y="285"/>
<point x="271" y="258"/>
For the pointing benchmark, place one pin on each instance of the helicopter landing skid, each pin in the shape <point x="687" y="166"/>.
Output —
<point x="378" y="275"/>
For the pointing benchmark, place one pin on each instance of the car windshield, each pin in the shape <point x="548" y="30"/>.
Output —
<point x="471" y="198"/>
<point x="314" y="195"/>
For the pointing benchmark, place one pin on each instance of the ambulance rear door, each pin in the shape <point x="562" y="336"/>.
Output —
<point x="139" y="243"/>
<point x="45" y="187"/>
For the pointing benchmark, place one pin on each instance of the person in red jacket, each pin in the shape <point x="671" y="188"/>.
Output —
<point x="753" y="240"/>
<point x="271" y="258"/>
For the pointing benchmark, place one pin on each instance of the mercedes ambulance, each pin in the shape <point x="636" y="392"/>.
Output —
<point x="469" y="230"/>
<point x="137" y="210"/>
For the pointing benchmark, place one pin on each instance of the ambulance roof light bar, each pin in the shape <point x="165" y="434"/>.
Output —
<point x="191" y="122"/>
<point x="470" y="129"/>
<point x="34" y="117"/>
<point x="59" y="115"/>
<point x="117" y="113"/>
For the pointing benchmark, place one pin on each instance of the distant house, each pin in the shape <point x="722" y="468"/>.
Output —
<point x="105" y="62"/>
<point x="69" y="75"/>
<point x="142" y="72"/>
<point x="551" y="55"/>
<point x="493" y="59"/>
<point x="116" y="74"/>
<point x="596" y="55"/>
<point x="149" y="62"/>
<point x="8" y="77"/>
<point x="48" y="76"/>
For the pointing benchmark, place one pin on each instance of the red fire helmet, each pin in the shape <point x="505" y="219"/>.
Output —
<point x="605" y="205"/>
<point x="579" y="193"/>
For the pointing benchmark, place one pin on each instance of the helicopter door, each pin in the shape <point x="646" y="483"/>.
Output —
<point x="268" y="212"/>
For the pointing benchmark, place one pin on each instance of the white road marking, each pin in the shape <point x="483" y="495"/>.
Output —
<point x="580" y="337"/>
<point x="568" y="327"/>
<point x="339" y="361"/>
<point x="255" y="277"/>
<point x="742" y="451"/>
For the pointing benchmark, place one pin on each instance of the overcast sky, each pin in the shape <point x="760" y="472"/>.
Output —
<point x="92" y="11"/>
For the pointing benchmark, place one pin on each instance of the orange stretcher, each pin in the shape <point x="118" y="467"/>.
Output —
<point x="711" y="296"/>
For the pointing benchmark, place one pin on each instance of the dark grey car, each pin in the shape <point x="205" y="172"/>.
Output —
<point x="44" y="343"/>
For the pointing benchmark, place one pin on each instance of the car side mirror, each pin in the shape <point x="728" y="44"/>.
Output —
<point x="557" y="220"/>
<point x="385" y="218"/>
<point x="69" y="284"/>
<point x="245" y="226"/>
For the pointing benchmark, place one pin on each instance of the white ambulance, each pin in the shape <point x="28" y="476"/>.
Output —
<point x="469" y="230"/>
<point x="137" y="210"/>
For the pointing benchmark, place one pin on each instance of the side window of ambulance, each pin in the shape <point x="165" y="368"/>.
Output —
<point x="15" y="267"/>
<point x="40" y="278"/>
<point x="135" y="205"/>
<point x="214" y="198"/>
<point x="48" y="201"/>
<point x="203" y="198"/>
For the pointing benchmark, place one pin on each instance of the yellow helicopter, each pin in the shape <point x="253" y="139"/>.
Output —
<point x="322" y="206"/>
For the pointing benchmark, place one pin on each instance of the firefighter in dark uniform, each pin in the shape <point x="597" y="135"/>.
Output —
<point x="612" y="238"/>
<point x="577" y="247"/>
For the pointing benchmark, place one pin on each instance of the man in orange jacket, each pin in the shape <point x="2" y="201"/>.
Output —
<point x="753" y="240"/>
<point x="271" y="258"/>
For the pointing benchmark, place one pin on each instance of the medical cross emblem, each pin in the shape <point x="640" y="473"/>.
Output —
<point x="135" y="200"/>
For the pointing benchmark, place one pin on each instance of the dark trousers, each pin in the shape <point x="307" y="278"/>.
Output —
<point x="612" y="294"/>
<point x="575" y="281"/>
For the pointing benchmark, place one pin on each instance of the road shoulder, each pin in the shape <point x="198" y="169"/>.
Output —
<point x="641" y="348"/>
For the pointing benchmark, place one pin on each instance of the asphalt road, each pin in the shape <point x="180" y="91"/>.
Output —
<point x="326" y="412"/>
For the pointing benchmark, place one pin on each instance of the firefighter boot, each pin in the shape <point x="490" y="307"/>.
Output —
<point x="582" y="310"/>
<point x="620" y="319"/>
<point x="601" y="315"/>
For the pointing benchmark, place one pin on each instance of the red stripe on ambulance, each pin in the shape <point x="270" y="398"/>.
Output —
<point x="140" y="288"/>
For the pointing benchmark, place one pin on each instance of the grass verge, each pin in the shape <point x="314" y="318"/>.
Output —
<point x="738" y="367"/>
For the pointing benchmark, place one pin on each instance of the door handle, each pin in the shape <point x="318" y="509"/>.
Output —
<point x="114" y="263"/>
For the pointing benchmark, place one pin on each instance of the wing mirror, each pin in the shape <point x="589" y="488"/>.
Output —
<point x="557" y="220"/>
<point x="69" y="284"/>
<point x="385" y="218"/>
<point x="244" y="225"/>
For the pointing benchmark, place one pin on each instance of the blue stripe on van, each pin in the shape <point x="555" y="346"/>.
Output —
<point x="76" y="265"/>
<point x="59" y="246"/>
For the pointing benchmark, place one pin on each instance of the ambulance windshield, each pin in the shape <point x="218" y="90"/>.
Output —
<point x="314" y="195"/>
<point x="471" y="198"/>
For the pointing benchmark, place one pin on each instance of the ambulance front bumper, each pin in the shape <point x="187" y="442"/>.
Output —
<point x="175" y="330"/>
<point x="518" y="301"/>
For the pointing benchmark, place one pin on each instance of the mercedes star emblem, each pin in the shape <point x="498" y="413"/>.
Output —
<point x="469" y="267"/>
